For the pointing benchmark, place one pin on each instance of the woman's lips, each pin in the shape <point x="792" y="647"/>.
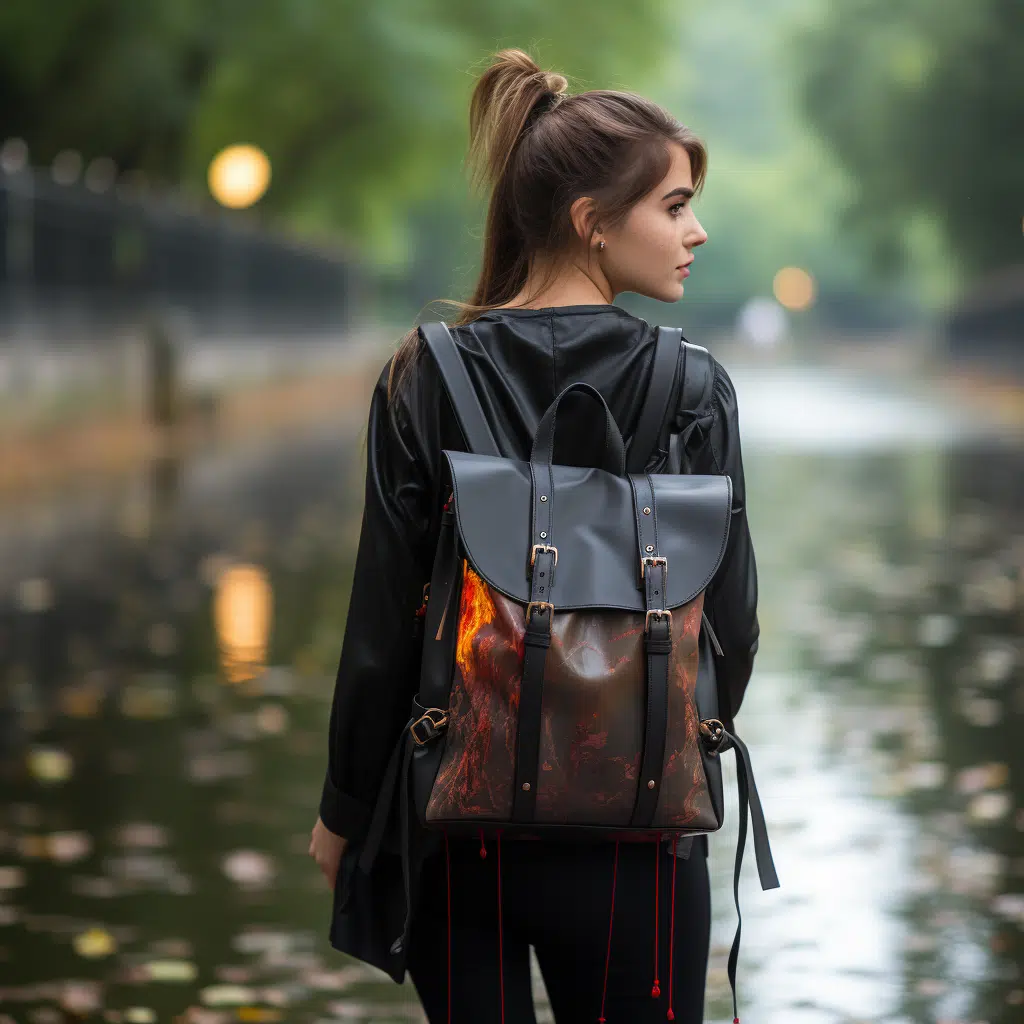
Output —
<point x="685" y="270"/>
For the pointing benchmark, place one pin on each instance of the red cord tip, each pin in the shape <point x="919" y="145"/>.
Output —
<point x="656" y="991"/>
<point x="600" y="1020"/>
<point x="483" y="853"/>
<point x="671" y="1015"/>
<point x="735" y="1020"/>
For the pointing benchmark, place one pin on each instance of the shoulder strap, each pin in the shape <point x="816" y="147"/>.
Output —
<point x="659" y="388"/>
<point x="698" y="375"/>
<point x="465" y="402"/>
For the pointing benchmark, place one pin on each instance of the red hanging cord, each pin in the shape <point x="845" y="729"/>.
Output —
<point x="672" y="933"/>
<point x="448" y="875"/>
<point x="483" y="849"/>
<point x="501" y="951"/>
<point x="656" y="989"/>
<point x="611" y="920"/>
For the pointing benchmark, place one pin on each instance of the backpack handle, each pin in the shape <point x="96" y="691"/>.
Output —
<point x="614" y="455"/>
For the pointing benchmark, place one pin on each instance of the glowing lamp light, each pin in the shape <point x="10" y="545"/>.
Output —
<point x="239" y="175"/>
<point x="793" y="288"/>
<point x="242" y="612"/>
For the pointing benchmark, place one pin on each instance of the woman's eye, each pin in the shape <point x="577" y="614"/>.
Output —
<point x="676" y="206"/>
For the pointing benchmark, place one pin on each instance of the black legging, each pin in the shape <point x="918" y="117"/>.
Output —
<point x="556" y="897"/>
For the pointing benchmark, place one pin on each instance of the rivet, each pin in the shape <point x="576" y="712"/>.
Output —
<point x="526" y="787"/>
<point x="650" y="548"/>
<point x="543" y="536"/>
<point x="650" y="784"/>
<point x="647" y="511"/>
<point x="543" y="497"/>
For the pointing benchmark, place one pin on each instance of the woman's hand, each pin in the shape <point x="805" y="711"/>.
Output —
<point x="326" y="849"/>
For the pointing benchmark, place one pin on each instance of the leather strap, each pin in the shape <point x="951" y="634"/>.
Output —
<point x="385" y="795"/>
<point x="697" y="372"/>
<point x="613" y="455"/>
<point x="711" y="634"/>
<point x="536" y="641"/>
<point x="659" y="389"/>
<point x="542" y="495"/>
<point x="461" y="392"/>
<point x="762" y="851"/>
<point x="657" y="647"/>
<point x="540" y="569"/>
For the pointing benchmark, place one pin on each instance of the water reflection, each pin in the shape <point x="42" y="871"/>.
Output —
<point x="168" y="657"/>
<point x="886" y="712"/>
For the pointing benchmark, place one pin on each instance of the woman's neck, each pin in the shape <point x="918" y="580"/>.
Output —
<point x="572" y="286"/>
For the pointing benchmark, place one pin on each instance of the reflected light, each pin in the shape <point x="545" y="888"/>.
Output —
<point x="239" y="175"/>
<point x="794" y="288"/>
<point x="242" y="611"/>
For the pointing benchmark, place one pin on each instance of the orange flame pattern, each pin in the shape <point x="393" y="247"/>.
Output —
<point x="592" y="716"/>
<point x="475" y="612"/>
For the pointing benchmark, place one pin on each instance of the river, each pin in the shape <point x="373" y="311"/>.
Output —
<point x="168" y="645"/>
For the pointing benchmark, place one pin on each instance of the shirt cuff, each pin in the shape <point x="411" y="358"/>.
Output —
<point x="342" y="814"/>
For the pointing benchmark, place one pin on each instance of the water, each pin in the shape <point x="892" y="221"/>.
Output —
<point x="156" y="815"/>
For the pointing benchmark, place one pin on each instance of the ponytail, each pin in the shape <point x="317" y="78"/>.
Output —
<point x="538" y="149"/>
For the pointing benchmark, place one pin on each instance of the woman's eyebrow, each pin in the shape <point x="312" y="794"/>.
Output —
<point x="682" y="191"/>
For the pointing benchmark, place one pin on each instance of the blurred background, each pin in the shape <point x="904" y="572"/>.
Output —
<point x="217" y="218"/>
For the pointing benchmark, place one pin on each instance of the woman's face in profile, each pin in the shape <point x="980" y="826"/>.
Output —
<point x="644" y="253"/>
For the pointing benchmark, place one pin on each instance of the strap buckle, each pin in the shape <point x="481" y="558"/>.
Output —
<point x="542" y="547"/>
<point x="657" y="613"/>
<point x="539" y="604"/>
<point x="653" y="560"/>
<point x="428" y="726"/>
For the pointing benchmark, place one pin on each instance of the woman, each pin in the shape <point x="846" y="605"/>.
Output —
<point x="590" y="198"/>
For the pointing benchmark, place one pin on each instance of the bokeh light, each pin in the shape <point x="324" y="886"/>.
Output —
<point x="794" y="288"/>
<point x="239" y="176"/>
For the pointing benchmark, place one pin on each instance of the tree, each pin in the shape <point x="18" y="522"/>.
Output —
<point x="361" y="107"/>
<point x="921" y="101"/>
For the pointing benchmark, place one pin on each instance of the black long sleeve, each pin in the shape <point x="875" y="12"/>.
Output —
<point x="731" y="599"/>
<point x="379" y="663"/>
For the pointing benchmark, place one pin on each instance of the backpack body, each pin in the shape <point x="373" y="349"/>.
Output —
<point x="624" y="728"/>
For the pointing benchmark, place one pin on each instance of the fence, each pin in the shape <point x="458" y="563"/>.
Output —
<point x="73" y="261"/>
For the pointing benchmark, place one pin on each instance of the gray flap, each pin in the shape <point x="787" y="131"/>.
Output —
<point x="594" y="530"/>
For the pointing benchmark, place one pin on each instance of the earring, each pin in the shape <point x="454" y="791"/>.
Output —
<point x="600" y="244"/>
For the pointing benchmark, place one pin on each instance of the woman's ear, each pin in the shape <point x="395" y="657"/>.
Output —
<point x="583" y="215"/>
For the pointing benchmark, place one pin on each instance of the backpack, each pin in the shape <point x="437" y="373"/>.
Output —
<point x="567" y="686"/>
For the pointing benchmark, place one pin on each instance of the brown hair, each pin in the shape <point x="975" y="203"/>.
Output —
<point x="540" y="149"/>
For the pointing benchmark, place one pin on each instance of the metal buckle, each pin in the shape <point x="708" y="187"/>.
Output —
<point x="542" y="547"/>
<point x="653" y="560"/>
<point x="714" y="732"/>
<point x="432" y="728"/>
<point x="657" y="612"/>
<point x="539" y="604"/>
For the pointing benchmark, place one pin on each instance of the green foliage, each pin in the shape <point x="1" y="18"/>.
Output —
<point x="362" y="107"/>
<point x="921" y="101"/>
